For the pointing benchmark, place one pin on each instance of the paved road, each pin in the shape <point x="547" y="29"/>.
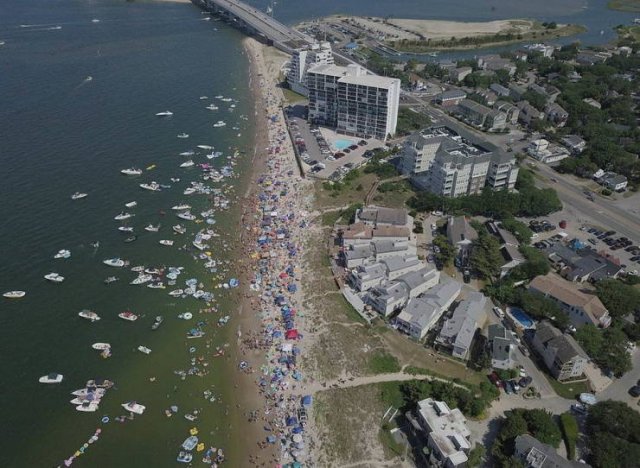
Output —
<point x="601" y="211"/>
<point x="619" y="388"/>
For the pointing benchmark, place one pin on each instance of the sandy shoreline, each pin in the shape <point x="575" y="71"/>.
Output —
<point x="264" y="400"/>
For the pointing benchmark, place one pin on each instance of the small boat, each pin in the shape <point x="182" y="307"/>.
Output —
<point x="114" y="262"/>
<point x="184" y="457"/>
<point x="89" y="315"/>
<point x="188" y="153"/>
<point x="188" y="163"/>
<point x="111" y="279"/>
<point x="176" y="292"/>
<point x="91" y="397"/>
<point x="134" y="407"/>
<point x="62" y="254"/>
<point x="131" y="171"/>
<point x="131" y="239"/>
<point x="205" y="147"/>
<point x="186" y="215"/>
<point x="151" y="167"/>
<point x="91" y="390"/>
<point x="166" y="113"/>
<point x="190" y="417"/>
<point x="101" y="346"/>
<point x="142" y="279"/>
<point x="88" y="407"/>
<point x="183" y="135"/>
<point x="95" y="244"/>
<point x="54" y="277"/>
<point x="152" y="228"/>
<point x="100" y="383"/>
<point x="51" y="378"/>
<point x="14" y="294"/>
<point x="182" y="206"/>
<point x="195" y="334"/>
<point x="190" y="442"/>
<point x="153" y="186"/>
<point x="122" y="216"/>
<point x="219" y="123"/>
<point x="212" y="107"/>
<point x="138" y="268"/>
<point x="157" y="323"/>
<point x="186" y="316"/>
<point x="202" y="98"/>
<point x="125" y="228"/>
<point x="189" y="191"/>
<point x="166" y="242"/>
<point x="131" y="204"/>
<point x="179" y="229"/>
<point x="144" y="349"/>
<point x="128" y="316"/>
<point x="157" y="285"/>
<point x="78" y="195"/>
<point x="152" y="271"/>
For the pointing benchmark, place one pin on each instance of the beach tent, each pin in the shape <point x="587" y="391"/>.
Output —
<point x="292" y="421"/>
<point x="292" y="334"/>
<point x="306" y="400"/>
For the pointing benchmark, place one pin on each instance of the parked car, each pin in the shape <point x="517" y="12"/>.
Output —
<point x="515" y="386"/>
<point x="525" y="381"/>
<point x="498" y="311"/>
<point x="635" y="391"/>
<point x="507" y="387"/>
<point x="579" y="408"/>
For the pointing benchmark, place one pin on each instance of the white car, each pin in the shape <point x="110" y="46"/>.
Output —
<point x="498" y="311"/>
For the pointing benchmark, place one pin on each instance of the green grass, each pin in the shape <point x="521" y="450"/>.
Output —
<point x="568" y="390"/>
<point x="381" y="362"/>
<point x="292" y="97"/>
<point x="569" y="428"/>
<point x="390" y="446"/>
<point x="390" y="394"/>
<point x="624" y="5"/>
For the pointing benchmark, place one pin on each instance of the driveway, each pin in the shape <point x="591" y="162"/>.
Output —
<point x="619" y="388"/>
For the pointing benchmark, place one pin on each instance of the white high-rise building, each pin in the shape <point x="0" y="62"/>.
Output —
<point x="353" y="102"/>
<point x="318" y="53"/>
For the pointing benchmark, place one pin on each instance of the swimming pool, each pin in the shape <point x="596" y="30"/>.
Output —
<point x="520" y="316"/>
<point x="343" y="143"/>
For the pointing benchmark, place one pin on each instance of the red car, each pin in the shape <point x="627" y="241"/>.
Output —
<point x="493" y="377"/>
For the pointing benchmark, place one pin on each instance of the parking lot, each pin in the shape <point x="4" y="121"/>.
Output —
<point x="326" y="154"/>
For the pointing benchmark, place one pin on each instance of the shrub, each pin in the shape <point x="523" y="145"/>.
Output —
<point x="569" y="427"/>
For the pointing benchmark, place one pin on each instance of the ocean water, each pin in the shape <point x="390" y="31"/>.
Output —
<point x="61" y="132"/>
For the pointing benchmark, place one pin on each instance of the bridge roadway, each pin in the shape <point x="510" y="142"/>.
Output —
<point x="256" y="22"/>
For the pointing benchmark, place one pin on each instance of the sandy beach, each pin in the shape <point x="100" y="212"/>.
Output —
<point x="271" y="335"/>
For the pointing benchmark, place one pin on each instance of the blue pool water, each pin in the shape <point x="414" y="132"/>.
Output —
<point x="343" y="143"/>
<point x="522" y="317"/>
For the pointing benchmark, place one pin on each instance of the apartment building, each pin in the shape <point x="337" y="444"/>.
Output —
<point x="562" y="355"/>
<point x="481" y="116"/>
<point x="353" y="102"/>
<point x="451" y="162"/>
<point x="319" y="53"/>
<point x="458" y="331"/>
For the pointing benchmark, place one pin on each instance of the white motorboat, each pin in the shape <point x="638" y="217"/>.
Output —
<point x="186" y="316"/>
<point x="88" y="407"/>
<point x="188" y="153"/>
<point x="202" y="98"/>
<point x="131" y="204"/>
<point x="138" y="268"/>
<point x="181" y="207"/>
<point x="129" y="316"/>
<point x="114" y="262"/>
<point x="156" y="285"/>
<point x="152" y="228"/>
<point x="205" y="147"/>
<point x="186" y="215"/>
<point x="199" y="245"/>
<point x="101" y="346"/>
<point x="84" y="392"/>
<point x="153" y="186"/>
<point x="51" y="378"/>
<point x="179" y="229"/>
<point x="142" y="279"/>
<point x="62" y="254"/>
<point x="122" y="216"/>
<point x="89" y="315"/>
<point x="219" y="96"/>
<point x="89" y="398"/>
<point x="166" y="242"/>
<point x="157" y="323"/>
<point x="188" y="163"/>
<point x="78" y="195"/>
<point x="212" y="107"/>
<point x="185" y="457"/>
<point x="176" y="292"/>
<point x="110" y="279"/>
<point x="183" y="135"/>
<point x="228" y="99"/>
<point x="190" y="443"/>
<point x="54" y="277"/>
<point x="131" y="171"/>
<point x="189" y="191"/>
<point x="144" y="349"/>
<point x="219" y="123"/>
<point x="152" y="271"/>
<point x="166" y="113"/>
<point x="14" y="294"/>
<point x="134" y="407"/>
<point x="125" y="228"/>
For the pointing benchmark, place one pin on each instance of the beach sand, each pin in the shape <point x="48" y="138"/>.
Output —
<point x="256" y="406"/>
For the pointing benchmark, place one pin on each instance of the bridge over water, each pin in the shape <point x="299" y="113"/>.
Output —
<point x="256" y="23"/>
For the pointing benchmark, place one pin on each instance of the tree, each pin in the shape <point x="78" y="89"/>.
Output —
<point x="620" y="299"/>
<point x="476" y="456"/>
<point x="447" y="251"/>
<point x="543" y="427"/>
<point x="486" y="259"/>
<point x="613" y="435"/>
<point x="608" y="348"/>
<point x="518" y="229"/>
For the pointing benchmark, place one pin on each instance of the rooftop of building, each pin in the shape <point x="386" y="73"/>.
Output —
<point x="419" y="312"/>
<point x="413" y="279"/>
<point x="567" y="348"/>
<point x="535" y="454"/>
<point x="459" y="230"/>
<point x="383" y="215"/>
<point x="397" y="263"/>
<point x="443" y="293"/>
<point x="568" y="293"/>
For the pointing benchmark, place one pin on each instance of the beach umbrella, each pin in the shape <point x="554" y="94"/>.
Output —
<point x="306" y="400"/>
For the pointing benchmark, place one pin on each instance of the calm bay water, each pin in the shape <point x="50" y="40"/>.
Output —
<point x="61" y="132"/>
